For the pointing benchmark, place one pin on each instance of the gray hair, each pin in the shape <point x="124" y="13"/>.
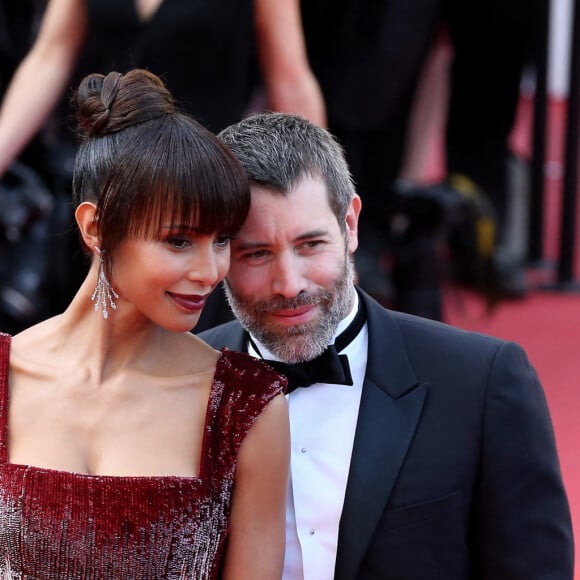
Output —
<point x="278" y="150"/>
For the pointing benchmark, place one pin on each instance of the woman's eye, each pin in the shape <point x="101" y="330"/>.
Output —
<point x="178" y="242"/>
<point x="222" y="241"/>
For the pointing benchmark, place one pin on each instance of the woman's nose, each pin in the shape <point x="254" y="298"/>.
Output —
<point x="205" y="266"/>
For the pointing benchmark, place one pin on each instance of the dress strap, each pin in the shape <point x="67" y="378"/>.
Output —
<point x="241" y="389"/>
<point x="5" y="340"/>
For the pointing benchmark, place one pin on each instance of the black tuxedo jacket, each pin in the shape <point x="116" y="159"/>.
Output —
<point x="454" y="473"/>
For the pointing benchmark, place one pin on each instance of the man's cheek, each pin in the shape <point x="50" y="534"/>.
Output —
<point x="244" y="282"/>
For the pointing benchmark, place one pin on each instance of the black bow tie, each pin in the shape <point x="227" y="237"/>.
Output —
<point x="328" y="367"/>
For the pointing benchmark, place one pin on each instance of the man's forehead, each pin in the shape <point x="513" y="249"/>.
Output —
<point x="306" y="185"/>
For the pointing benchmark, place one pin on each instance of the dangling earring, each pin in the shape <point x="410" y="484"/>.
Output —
<point x="104" y="293"/>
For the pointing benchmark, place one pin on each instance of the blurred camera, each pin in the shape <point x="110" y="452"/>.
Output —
<point x="24" y="200"/>
<point x="26" y="205"/>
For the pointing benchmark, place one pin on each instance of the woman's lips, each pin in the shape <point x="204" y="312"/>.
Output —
<point x="189" y="302"/>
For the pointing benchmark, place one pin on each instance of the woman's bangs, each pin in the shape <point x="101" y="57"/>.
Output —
<point x="189" y="203"/>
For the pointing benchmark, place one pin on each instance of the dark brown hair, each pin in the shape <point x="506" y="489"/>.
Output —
<point x="278" y="150"/>
<point x="144" y="163"/>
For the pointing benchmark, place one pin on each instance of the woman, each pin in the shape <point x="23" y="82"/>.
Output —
<point x="129" y="448"/>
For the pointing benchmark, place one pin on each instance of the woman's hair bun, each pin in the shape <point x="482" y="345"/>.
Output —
<point x="106" y="104"/>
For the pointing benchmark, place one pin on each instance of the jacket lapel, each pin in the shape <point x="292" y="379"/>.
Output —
<point x="390" y="408"/>
<point x="230" y="335"/>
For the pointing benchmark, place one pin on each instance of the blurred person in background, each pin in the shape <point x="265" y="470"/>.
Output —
<point x="204" y="51"/>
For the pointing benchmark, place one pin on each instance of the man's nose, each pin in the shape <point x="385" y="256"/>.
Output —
<point x="288" y="278"/>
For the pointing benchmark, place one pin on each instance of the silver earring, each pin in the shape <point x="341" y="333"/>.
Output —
<point x="104" y="293"/>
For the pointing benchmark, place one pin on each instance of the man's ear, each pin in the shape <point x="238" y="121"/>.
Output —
<point x="85" y="217"/>
<point x="351" y="219"/>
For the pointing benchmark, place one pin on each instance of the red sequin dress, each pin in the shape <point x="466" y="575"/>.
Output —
<point x="57" y="525"/>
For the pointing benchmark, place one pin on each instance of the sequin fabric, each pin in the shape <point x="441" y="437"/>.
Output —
<point x="58" y="525"/>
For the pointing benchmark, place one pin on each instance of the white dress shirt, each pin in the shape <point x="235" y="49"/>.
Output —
<point x="322" y="425"/>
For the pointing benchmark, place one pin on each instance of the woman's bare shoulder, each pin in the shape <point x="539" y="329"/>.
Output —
<point x="37" y="341"/>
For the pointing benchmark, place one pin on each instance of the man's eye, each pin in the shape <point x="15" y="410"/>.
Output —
<point x="312" y="244"/>
<point x="255" y="255"/>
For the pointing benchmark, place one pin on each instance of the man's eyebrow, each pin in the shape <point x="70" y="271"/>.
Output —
<point x="311" y="234"/>
<point x="251" y="245"/>
<point x="248" y="245"/>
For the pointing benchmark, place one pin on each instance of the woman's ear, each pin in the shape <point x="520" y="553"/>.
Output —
<point x="85" y="216"/>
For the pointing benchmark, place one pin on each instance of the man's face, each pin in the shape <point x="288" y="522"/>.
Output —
<point x="291" y="279"/>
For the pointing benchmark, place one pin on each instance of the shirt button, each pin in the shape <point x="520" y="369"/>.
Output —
<point x="303" y="450"/>
<point x="311" y="532"/>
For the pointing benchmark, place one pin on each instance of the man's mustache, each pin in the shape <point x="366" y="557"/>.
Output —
<point x="303" y="299"/>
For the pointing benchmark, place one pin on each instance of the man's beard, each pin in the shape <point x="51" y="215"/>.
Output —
<point x="301" y="342"/>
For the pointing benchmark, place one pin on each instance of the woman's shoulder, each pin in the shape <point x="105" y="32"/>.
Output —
<point x="38" y="334"/>
<point x="35" y="342"/>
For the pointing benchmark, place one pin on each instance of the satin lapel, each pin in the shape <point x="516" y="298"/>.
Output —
<point x="390" y="409"/>
<point x="385" y="430"/>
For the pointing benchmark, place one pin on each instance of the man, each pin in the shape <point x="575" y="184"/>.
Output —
<point x="437" y="458"/>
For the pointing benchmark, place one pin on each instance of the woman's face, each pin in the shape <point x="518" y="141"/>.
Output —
<point x="168" y="277"/>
